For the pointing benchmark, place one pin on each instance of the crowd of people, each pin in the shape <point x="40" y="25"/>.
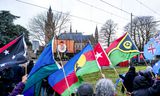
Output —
<point x="142" y="83"/>
<point x="11" y="76"/>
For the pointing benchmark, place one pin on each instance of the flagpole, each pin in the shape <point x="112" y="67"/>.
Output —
<point x="99" y="66"/>
<point x="26" y="68"/>
<point x="97" y="62"/>
<point x="142" y="56"/>
<point x="112" y="66"/>
<point x="109" y="59"/>
<point x="25" y="54"/>
<point x="147" y="65"/>
<point x="64" y="73"/>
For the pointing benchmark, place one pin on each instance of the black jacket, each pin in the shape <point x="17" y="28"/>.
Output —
<point x="128" y="79"/>
<point x="142" y="87"/>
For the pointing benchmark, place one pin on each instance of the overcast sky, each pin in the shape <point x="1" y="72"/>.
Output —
<point x="77" y="8"/>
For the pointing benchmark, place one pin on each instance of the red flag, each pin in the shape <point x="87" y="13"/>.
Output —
<point x="101" y="56"/>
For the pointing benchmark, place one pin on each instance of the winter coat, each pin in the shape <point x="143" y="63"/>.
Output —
<point x="142" y="87"/>
<point x="18" y="73"/>
<point x="149" y="76"/>
<point x="155" y="89"/>
<point x="18" y="89"/>
<point x="128" y="79"/>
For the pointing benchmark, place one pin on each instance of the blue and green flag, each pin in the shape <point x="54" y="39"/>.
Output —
<point x="44" y="66"/>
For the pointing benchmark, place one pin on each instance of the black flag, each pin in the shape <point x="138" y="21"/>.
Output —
<point x="13" y="53"/>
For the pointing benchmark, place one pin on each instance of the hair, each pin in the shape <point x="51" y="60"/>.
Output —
<point x="105" y="87"/>
<point x="61" y="42"/>
<point x="149" y="69"/>
<point x="132" y="68"/>
<point x="85" y="89"/>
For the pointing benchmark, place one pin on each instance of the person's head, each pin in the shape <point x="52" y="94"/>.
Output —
<point x="85" y="89"/>
<point x="105" y="87"/>
<point x="61" y="43"/>
<point x="140" y="82"/>
<point x="132" y="68"/>
<point x="149" y="69"/>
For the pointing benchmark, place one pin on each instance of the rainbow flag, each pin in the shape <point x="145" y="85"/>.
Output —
<point x="121" y="49"/>
<point x="82" y="63"/>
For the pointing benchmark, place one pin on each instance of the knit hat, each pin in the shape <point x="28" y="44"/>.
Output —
<point x="85" y="90"/>
<point x="149" y="69"/>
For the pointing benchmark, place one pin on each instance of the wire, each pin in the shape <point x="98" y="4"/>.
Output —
<point x="115" y="7"/>
<point x="147" y="7"/>
<point x="101" y="9"/>
<point x="86" y="19"/>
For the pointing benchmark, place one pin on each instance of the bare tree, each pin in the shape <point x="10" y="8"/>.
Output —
<point x="107" y="32"/>
<point x="143" y="28"/>
<point x="44" y="26"/>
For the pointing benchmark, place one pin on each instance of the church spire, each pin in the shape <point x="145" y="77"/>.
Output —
<point x="96" y="35"/>
<point x="70" y="28"/>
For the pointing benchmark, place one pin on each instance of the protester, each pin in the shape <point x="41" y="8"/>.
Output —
<point x="148" y="74"/>
<point x="30" y="66"/>
<point x="142" y="86"/>
<point x="149" y="69"/>
<point x="6" y="79"/>
<point x="20" y="86"/>
<point x="85" y="89"/>
<point x="105" y="87"/>
<point x="19" y="71"/>
<point x="128" y="79"/>
<point x="155" y="89"/>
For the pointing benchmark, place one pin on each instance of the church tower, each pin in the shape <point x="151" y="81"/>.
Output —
<point x="49" y="26"/>
<point x="96" y="35"/>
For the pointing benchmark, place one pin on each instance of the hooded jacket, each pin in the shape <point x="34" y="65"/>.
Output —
<point x="128" y="79"/>
<point x="142" y="87"/>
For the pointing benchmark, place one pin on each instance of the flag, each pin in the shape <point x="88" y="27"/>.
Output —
<point x="156" y="67"/>
<point x="157" y="38"/>
<point x="121" y="49"/>
<point x="13" y="53"/>
<point x="118" y="80"/>
<point x="151" y="49"/>
<point x="82" y="63"/>
<point x="101" y="56"/>
<point x="44" y="66"/>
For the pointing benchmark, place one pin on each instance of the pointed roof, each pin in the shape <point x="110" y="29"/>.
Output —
<point x="96" y="30"/>
<point x="70" y="28"/>
<point x="77" y="37"/>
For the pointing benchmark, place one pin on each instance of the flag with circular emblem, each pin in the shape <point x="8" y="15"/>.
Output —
<point x="65" y="81"/>
<point x="122" y="49"/>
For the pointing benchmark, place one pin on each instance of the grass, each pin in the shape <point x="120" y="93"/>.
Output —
<point x="111" y="74"/>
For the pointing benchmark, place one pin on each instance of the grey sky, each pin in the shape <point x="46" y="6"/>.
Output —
<point x="77" y="8"/>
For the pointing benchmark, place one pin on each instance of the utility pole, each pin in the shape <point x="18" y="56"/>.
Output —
<point x="131" y="23"/>
<point x="131" y="36"/>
